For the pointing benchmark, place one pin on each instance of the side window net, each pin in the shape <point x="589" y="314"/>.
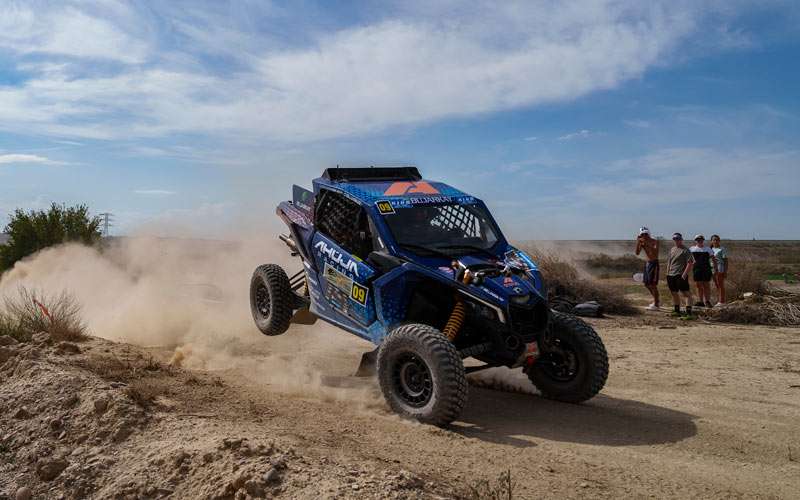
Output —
<point x="342" y="220"/>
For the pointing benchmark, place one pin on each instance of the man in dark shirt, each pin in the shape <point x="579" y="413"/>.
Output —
<point x="679" y="265"/>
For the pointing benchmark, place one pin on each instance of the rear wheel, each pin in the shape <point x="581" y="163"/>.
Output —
<point x="421" y="374"/>
<point x="573" y="365"/>
<point x="271" y="299"/>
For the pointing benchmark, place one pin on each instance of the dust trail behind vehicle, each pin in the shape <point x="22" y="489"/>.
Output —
<point x="190" y="295"/>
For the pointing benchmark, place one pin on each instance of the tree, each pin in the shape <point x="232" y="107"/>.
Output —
<point x="32" y="231"/>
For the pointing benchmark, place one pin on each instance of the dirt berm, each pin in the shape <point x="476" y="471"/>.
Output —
<point x="702" y="412"/>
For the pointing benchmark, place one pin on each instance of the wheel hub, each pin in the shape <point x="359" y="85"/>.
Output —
<point x="263" y="302"/>
<point x="412" y="380"/>
<point x="560" y="361"/>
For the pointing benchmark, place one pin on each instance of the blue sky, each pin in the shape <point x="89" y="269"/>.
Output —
<point x="580" y="121"/>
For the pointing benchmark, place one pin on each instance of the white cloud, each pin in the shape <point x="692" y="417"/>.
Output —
<point x="580" y="134"/>
<point x="154" y="192"/>
<point x="354" y="81"/>
<point x="13" y="158"/>
<point x="684" y="177"/>
<point x="530" y="138"/>
<point x="68" y="31"/>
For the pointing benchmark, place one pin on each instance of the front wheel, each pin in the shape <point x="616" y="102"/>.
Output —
<point x="573" y="365"/>
<point x="271" y="299"/>
<point x="421" y="374"/>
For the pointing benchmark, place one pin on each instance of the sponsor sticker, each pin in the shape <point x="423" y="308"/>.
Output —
<point x="384" y="207"/>
<point x="404" y="188"/>
<point x="337" y="279"/>
<point x="359" y="293"/>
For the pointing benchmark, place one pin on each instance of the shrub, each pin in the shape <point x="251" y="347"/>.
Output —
<point x="32" y="231"/>
<point x="30" y="312"/>
<point x="744" y="277"/>
<point x="566" y="286"/>
<point x="628" y="263"/>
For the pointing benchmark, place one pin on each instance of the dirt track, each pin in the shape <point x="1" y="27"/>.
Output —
<point x="693" y="411"/>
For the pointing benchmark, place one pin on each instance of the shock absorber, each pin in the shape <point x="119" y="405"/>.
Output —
<point x="456" y="320"/>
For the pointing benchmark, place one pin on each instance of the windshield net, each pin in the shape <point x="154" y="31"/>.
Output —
<point x="449" y="228"/>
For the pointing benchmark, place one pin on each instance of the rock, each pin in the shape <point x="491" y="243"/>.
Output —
<point x="232" y="443"/>
<point x="22" y="414"/>
<point x="180" y="458"/>
<point x="41" y="338"/>
<point x="7" y="353"/>
<point x="122" y="432"/>
<point x="254" y="488"/>
<point x="23" y="493"/>
<point x="100" y="405"/>
<point x="71" y="401"/>
<point x="49" y="469"/>
<point x="279" y="462"/>
<point x="240" y="480"/>
<point x="68" y="348"/>
<point x="8" y="340"/>
<point x="270" y="476"/>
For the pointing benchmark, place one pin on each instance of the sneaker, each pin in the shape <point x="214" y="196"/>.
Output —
<point x="652" y="307"/>
<point x="719" y="304"/>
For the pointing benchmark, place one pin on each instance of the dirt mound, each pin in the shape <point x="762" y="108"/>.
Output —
<point x="97" y="419"/>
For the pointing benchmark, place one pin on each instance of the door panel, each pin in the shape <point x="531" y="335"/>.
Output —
<point x="344" y="282"/>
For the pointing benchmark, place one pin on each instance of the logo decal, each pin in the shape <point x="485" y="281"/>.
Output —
<point x="403" y="188"/>
<point x="337" y="257"/>
<point x="384" y="207"/>
<point x="508" y="281"/>
<point x="359" y="294"/>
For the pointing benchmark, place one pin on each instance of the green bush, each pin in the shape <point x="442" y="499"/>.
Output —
<point x="32" y="231"/>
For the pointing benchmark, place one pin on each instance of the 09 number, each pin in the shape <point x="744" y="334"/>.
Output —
<point x="359" y="294"/>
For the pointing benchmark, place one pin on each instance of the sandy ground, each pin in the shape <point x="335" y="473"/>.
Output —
<point x="692" y="410"/>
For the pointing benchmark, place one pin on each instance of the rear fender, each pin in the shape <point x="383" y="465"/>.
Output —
<point x="300" y="226"/>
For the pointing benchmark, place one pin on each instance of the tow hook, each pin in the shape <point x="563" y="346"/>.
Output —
<point x="529" y="355"/>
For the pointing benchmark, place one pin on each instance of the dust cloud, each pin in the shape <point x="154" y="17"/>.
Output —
<point x="190" y="298"/>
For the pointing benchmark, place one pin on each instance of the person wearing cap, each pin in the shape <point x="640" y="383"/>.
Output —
<point x="679" y="265"/>
<point x="703" y="260"/>
<point x="650" y="246"/>
<point x="721" y="269"/>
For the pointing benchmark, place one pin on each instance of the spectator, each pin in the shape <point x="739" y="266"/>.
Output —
<point x="703" y="261"/>
<point x="721" y="269"/>
<point x="650" y="246"/>
<point x="679" y="265"/>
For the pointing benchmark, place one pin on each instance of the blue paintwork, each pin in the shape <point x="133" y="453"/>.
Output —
<point x="388" y="294"/>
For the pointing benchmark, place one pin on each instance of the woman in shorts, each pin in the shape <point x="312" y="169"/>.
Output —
<point x="703" y="261"/>
<point x="721" y="269"/>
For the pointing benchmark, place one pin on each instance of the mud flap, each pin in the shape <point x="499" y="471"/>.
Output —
<point x="303" y="317"/>
<point x="368" y="367"/>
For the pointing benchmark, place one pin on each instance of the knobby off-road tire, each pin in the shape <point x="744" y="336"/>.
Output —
<point x="421" y="374"/>
<point x="271" y="299"/>
<point x="577" y="369"/>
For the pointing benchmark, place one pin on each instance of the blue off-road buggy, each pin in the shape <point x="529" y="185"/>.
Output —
<point x="421" y="269"/>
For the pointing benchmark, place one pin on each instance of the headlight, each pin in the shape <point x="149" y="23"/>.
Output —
<point x="520" y="299"/>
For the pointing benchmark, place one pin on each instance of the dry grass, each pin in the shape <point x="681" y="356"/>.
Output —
<point x="773" y="307"/>
<point x="144" y="392"/>
<point x="501" y="489"/>
<point x="745" y="276"/>
<point x="29" y="312"/>
<point x="566" y="287"/>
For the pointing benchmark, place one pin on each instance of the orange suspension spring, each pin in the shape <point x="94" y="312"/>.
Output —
<point x="456" y="320"/>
